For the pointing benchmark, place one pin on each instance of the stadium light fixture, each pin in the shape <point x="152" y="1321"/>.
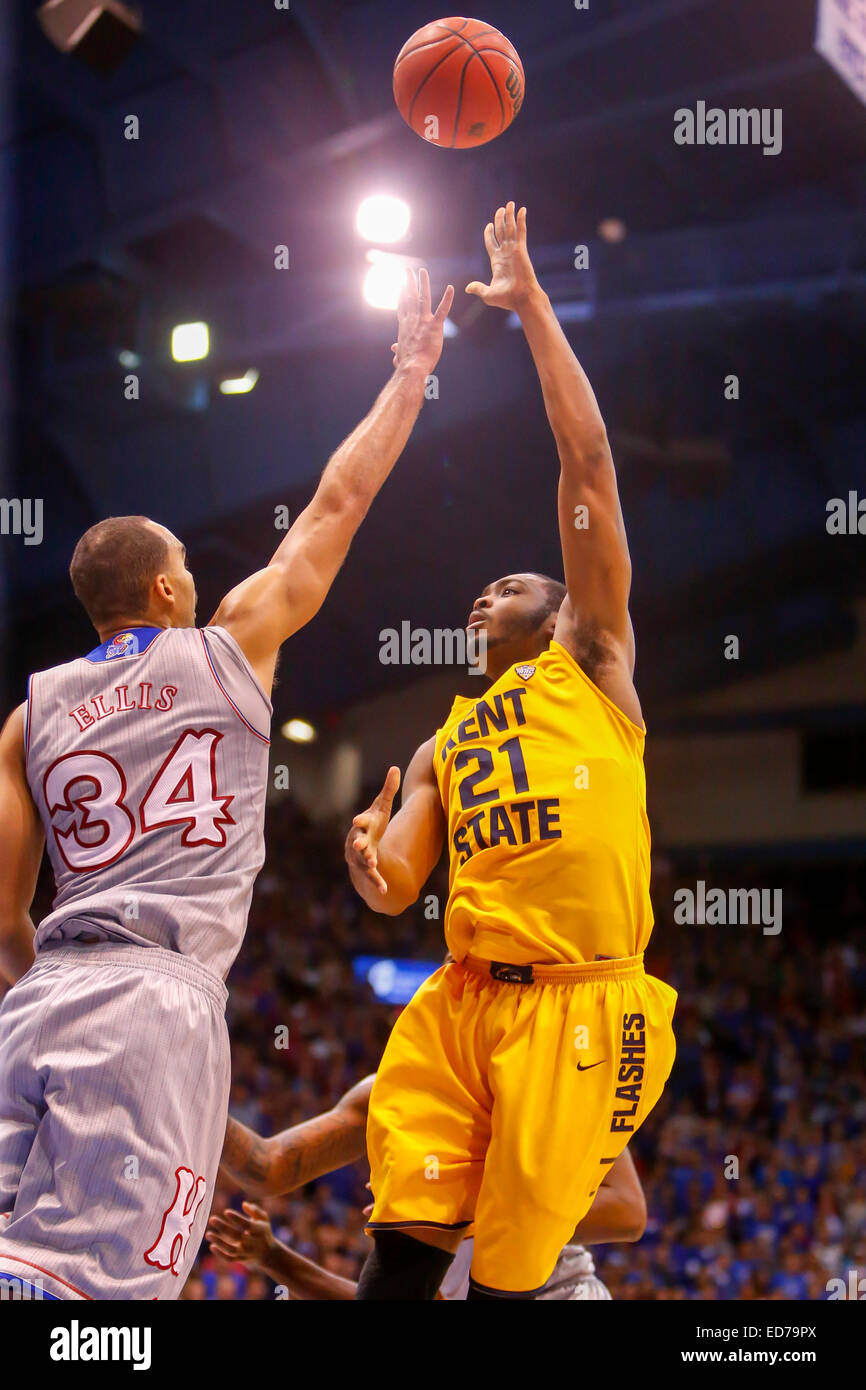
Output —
<point x="612" y="230"/>
<point x="384" y="281"/>
<point x="383" y="218"/>
<point x="239" y="385"/>
<point x="298" y="731"/>
<point x="190" y="342"/>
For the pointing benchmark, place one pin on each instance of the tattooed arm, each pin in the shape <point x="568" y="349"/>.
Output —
<point x="270" y="1167"/>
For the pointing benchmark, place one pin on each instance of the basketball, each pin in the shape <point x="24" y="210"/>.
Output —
<point x="458" y="83"/>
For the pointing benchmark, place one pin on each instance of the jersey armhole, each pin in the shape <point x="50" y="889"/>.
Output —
<point x="611" y="704"/>
<point x="248" y="672"/>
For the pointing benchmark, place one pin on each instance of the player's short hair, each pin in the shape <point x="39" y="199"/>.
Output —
<point x="554" y="593"/>
<point x="114" y="565"/>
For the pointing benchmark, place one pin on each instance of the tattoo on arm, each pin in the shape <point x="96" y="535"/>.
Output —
<point x="245" y="1155"/>
<point x="318" y="1146"/>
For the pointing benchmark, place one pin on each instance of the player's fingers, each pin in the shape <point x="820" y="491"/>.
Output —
<point x="236" y="1222"/>
<point x="499" y="225"/>
<point x="510" y="223"/>
<point x="256" y="1212"/>
<point x="445" y="304"/>
<point x="221" y="1248"/>
<point x="362" y="820"/>
<point x="220" y="1236"/>
<point x="521" y="225"/>
<point x="360" y="846"/>
<point x="424" y="290"/>
<point x="490" y="241"/>
<point x="390" y="787"/>
<point x="408" y="294"/>
<point x="476" y="287"/>
<point x="375" y="877"/>
<point x="368" y="1211"/>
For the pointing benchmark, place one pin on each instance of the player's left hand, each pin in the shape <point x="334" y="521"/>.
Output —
<point x="244" y="1236"/>
<point x="512" y="276"/>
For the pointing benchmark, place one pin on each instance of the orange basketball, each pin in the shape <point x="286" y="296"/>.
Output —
<point x="458" y="83"/>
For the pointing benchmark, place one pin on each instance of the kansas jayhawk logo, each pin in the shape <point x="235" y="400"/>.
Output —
<point x="177" y="1222"/>
<point x="124" y="644"/>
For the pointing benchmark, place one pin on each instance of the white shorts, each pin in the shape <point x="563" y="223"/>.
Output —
<point x="573" y="1280"/>
<point x="114" y="1083"/>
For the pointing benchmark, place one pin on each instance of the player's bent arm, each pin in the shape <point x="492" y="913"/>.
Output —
<point x="618" y="1212"/>
<point x="272" y="1167"/>
<point x="21" y="844"/>
<point x="406" y="853"/>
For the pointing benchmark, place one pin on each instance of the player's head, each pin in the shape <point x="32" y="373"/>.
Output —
<point x="518" y="616"/>
<point x="129" y="571"/>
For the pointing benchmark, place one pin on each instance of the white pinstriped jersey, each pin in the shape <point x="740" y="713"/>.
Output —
<point x="148" y="762"/>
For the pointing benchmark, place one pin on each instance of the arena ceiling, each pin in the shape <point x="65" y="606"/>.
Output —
<point x="261" y="127"/>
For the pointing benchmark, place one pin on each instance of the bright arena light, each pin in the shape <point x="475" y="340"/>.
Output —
<point x="382" y="218"/>
<point x="190" y="342"/>
<point x="239" y="385"/>
<point x="384" y="282"/>
<point x="298" y="731"/>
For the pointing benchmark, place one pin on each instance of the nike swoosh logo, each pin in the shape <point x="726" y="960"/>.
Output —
<point x="581" y="1067"/>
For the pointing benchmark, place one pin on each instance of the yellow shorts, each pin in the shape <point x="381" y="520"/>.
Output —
<point x="504" y="1104"/>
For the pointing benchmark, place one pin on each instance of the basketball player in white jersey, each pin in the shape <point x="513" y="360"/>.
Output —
<point x="144" y="765"/>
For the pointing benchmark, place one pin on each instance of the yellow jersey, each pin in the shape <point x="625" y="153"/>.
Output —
<point x="542" y="781"/>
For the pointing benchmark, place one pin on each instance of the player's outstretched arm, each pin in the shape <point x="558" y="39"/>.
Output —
<point x="273" y="603"/>
<point x="271" y="1167"/>
<point x="247" y="1236"/>
<point x="594" y="618"/>
<point x="618" y="1211"/>
<point x="391" y="860"/>
<point x="21" y="842"/>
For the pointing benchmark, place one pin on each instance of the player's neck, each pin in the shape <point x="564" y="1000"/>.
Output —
<point x="503" y="659"/>
<point x="125" y="624"/>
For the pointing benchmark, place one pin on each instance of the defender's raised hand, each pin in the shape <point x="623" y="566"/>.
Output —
<point x="419" y="331"/>
<point x="512" y="276"/>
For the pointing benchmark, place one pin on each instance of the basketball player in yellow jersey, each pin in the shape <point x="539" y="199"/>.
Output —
<point x="519" y="1072"/>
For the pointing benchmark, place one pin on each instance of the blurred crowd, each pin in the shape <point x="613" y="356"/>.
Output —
<point x="753" y="1162"/>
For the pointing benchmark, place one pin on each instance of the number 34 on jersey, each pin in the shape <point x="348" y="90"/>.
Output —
<point x="92" y="822"/>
